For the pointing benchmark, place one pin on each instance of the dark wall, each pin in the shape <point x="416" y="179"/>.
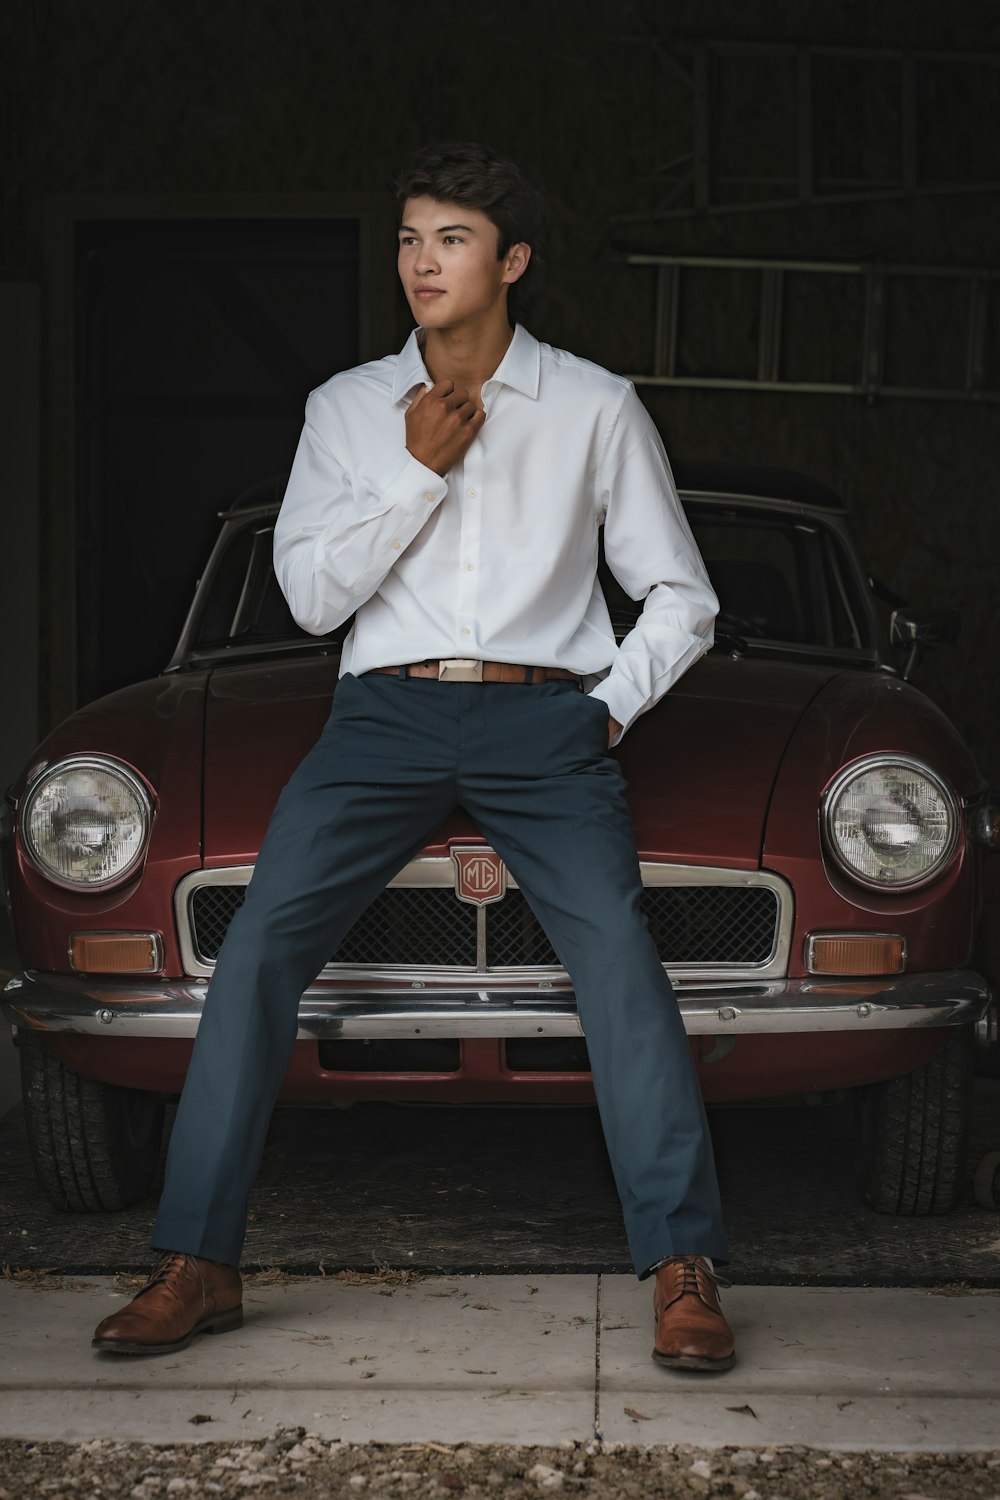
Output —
<point x="176" y="96"/>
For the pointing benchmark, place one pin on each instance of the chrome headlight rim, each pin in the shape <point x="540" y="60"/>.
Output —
<point x="91" y="762"/>
<point x="861" y="767"/>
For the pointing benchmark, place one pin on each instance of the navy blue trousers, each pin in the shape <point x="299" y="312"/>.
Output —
<point x="530" y="765"/>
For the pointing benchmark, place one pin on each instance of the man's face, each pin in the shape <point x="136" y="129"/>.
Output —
<point x="448" y="264"/>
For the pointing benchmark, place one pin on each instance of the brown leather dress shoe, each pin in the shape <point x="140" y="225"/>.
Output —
<point x="691" y="1329"/>
<point x="185" y="1295"/>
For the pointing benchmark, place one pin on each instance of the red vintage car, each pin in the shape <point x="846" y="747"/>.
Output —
<point x="811" y="829"/>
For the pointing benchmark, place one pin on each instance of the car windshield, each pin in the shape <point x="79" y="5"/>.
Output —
<point x="784" y="583"/>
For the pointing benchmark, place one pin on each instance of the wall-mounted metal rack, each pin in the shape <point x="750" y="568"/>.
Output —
<point x="783" y="289"/>
<point x="795" y="94"/>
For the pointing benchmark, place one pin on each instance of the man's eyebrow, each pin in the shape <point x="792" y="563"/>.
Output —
<point x="444" y="228"/>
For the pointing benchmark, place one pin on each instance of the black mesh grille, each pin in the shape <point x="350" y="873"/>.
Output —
<point x="213" y="907"/>
<point x="712" y="924"/>
<point x="514" y="938"/>
<point x="407" y="925"/>
<point x="701" y="924"/>
<point x="414" y="926"/>
<point x="428" y="927"/>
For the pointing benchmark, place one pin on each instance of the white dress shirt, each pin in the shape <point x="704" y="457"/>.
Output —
<point x="497" y="561"/>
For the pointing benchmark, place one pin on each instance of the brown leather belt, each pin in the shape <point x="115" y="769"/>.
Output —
<point x="462" y="669"/>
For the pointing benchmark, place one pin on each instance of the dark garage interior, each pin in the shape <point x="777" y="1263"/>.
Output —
<point x="781" y="220"/>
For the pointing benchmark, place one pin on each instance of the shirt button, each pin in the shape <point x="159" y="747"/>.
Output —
<point x="469" y="567"/>
<point x="466" y="630"/>
<point x="472" y="494"/>
<point x="396" y="546"/>
<point x="429" y="495"/>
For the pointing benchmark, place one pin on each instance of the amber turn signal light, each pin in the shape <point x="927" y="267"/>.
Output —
<point x="856" y="953"/>
<point x="115" y="952"/>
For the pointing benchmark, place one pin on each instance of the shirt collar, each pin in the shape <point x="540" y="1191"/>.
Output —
<point x="519" y="367"/>
<point x="410" y="368"/>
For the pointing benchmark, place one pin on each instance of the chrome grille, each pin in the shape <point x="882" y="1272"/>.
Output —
<point x="425" y="926"/>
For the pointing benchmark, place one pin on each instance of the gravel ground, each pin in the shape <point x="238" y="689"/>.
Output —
<point x="298" y="1463"/>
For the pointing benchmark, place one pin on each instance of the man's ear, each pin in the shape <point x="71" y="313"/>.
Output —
<point x="516" y="262"/>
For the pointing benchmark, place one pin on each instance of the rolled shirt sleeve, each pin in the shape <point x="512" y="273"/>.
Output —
<point x="650" y="549"/>
<point x="336" y="537"/>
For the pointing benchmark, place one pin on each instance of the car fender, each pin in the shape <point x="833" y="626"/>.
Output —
<point x="854" y="716"/>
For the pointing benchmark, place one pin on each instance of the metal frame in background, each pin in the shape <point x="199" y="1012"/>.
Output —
<point x="690" y="184"/>
<point x="772" y="320"/>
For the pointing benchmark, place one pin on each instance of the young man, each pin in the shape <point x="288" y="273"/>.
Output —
<point x="451" y="496"/>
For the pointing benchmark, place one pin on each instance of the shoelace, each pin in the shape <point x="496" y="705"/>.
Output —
<point x="692" y="1265"/>
<point x="172" y="1266"/>
<point x="692" y="1270"/>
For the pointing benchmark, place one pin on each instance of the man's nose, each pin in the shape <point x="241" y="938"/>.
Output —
<point x="427" y="264"/>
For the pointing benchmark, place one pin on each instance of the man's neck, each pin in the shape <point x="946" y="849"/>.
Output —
<point x="468" y="357"/>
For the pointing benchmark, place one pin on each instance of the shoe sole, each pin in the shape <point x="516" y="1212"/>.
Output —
<point x="694" y="1361"/>
<point x="221" y="1323"/>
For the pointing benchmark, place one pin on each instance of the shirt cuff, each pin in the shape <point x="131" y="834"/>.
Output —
<point x="623" y="702"/>
<point x="406" y="497"/>
<point x="409" y="483"/>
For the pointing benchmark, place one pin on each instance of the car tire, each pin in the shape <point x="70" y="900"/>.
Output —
<point x="94" y="1145"/>
<point x="912" y="1133"/>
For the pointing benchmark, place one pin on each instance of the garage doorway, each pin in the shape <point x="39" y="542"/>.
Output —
<point x="183" y="334"/>
<point x="196" y="343"/>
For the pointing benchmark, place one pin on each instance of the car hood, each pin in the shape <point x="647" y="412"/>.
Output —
<point x="700" y="766"/>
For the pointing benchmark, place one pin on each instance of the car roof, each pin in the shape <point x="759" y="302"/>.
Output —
<point x="692" y="477"/>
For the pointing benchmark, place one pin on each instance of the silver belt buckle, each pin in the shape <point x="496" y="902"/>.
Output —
<point x="460" y="669"/>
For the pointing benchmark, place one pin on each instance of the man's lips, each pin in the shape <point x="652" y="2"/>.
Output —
<point x="425" y="293"/>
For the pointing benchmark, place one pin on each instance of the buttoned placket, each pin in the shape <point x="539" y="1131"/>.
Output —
<point x="430" y="496"/>
<point x="469" y="482"/>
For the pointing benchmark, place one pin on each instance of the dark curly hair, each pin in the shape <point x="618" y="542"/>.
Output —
<point x="466" y="173"/>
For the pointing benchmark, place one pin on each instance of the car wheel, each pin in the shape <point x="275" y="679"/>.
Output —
<point x="986" y="1182"/>
<point x="912" y="1133"/>
<point x="94" y="1145"/>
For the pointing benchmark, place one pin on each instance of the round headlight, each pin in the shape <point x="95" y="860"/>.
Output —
<point x="890" y="822"/>
<point x="85" y="822"/>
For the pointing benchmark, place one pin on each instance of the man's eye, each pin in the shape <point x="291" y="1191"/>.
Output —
<point x="453" y="239"/>
<point x="407" y="239"/>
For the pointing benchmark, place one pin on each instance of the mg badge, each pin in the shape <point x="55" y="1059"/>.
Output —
<point x="480" y="876"/>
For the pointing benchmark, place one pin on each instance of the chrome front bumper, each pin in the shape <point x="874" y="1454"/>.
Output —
<point x="172" y="1008"/>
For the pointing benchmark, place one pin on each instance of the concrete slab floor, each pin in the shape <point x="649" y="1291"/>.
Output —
<point x="511" y="1359"/>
